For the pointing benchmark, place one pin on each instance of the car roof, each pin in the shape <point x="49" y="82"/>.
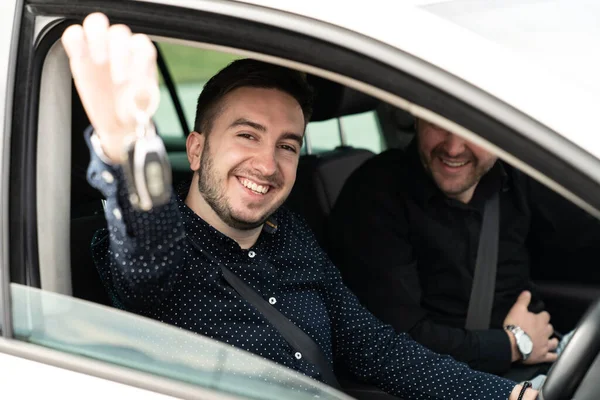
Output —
<point x="446" y="34"/>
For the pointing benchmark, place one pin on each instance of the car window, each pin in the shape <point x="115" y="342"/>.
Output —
<point x="358" y="130"/>
<point x="189" y="68"/>
<point x="80" y="327"/>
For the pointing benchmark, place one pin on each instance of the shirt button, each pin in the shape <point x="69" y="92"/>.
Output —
<point x="117" y="213"/>
<point x="107" y="176"/>
<point x="298" y="355"/>
<point x="251" y="254"/>
<point x="272" y="300"/>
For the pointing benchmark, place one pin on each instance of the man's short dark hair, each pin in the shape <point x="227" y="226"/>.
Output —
<point x="250" y="73"/>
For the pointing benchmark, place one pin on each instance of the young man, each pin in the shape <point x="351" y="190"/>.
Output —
<point x="407" y="247"/>
<point x="165" y="263"/>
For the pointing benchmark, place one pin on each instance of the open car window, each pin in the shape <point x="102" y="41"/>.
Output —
<point x="189" y="68"/>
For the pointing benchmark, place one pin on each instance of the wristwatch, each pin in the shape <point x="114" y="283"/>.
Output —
<point x="524" y="343"/>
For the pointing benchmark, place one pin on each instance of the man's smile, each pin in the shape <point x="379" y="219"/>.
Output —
<point x="253" y="186"/>
<point x="452" y="165"/>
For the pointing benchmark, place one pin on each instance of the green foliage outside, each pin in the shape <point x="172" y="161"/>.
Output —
<point x="190" y="64"/>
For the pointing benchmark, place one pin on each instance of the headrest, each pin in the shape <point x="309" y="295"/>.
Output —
<point x="403" y="119"/>
<point x="333" y="100"/>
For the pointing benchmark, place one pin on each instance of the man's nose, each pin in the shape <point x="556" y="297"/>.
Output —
<point x="265" y="163"/>
<point x="454" y="145"/>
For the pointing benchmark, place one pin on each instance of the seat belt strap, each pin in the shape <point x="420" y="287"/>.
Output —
<point x="484" y="277"/>
<point x="295" y="336"/>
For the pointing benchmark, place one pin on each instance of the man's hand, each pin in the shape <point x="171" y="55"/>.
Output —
<point x="537" y="326"/>
<point x="115" y="74"/>
<point x="530" y="394"/>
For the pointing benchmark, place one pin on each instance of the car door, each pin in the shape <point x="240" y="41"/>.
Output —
<point x="36" y="257"/>
<point x="50" y="336"/>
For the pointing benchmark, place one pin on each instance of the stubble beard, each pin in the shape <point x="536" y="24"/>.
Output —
<point x="471" y="180"/>
<point x="215" y="197"/>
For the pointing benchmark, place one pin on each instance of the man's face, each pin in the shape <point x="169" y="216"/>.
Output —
<point x="248" y="161"/>
<point x="455" y="164"/>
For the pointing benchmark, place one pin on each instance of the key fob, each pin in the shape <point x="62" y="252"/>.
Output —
<point x="147" y="173"/>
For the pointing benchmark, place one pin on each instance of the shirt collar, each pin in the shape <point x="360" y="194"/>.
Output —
<point x="424" y="188"/>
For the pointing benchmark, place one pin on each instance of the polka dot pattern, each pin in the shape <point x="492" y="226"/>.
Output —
<point x="151" y="268"/>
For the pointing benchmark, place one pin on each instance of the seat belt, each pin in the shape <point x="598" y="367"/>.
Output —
<point x="484" y="277"/>
<point x="295" y="336"/>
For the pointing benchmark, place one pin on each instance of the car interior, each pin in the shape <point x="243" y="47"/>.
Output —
<point x="320" y="178"/>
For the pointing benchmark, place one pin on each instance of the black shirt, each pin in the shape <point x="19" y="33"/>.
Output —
<point x="409" y="252"/>
<point x="152" y="266"/>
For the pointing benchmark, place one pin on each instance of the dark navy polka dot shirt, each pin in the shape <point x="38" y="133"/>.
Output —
<point x="151" y="268"/>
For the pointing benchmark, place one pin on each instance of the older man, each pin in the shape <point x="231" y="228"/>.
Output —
<point x="407" y="245"/>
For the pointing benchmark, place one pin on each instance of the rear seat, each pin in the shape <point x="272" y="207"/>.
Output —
<point x="319" y="180"/>
<point x="320" y="177"/>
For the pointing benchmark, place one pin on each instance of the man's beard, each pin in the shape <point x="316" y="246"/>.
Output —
<point x="214" y="195"/>
<point x="472" y="179"/>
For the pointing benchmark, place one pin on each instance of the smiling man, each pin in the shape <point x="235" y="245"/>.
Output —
<point x="166" y="263"/>
<point x="245" y="170"/>
<point x="455" y="165"/>
<point x="407" y="246"/>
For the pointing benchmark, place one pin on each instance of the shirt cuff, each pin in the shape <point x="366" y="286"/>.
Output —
<point x="495" y="354"/>
<point x="102" y="174"/>
<point x="96" y="146"/>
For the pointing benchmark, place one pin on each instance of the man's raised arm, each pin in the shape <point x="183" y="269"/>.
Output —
<point x="116" y="77"/>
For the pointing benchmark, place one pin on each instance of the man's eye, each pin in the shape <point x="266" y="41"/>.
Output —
<point x="247" y="136"/>
<point x="288" y="148"/>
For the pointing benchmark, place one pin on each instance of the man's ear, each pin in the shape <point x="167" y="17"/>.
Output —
<point x="194" y="145"/>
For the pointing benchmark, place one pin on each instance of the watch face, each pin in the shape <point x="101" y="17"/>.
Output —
<point x="525" y="344"/>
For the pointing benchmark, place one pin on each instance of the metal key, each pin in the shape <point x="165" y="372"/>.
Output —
<point x="146" y="166"/>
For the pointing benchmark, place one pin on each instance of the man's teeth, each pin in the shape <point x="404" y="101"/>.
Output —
<point x="454" y="164"/>
<point x="254" y="186"/>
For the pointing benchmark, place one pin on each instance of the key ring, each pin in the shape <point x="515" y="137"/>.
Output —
<point x="143" y="116"/>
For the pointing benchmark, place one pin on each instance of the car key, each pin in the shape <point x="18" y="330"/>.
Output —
<point x="146" y="167"/>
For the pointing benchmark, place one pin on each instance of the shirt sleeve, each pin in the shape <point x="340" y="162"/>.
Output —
<point x="139" y="255"/>
<point x="373" y="250"/>
<point x="373" y="352"/>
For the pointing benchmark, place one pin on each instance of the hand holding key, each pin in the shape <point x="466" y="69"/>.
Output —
<point x="115" y="74"/>
<point x="116" y="77"/>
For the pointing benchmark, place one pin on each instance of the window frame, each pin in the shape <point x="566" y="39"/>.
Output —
<point x="534" y="143"/>
<point x="14" y="30"/>
<point x="165" y="72"/>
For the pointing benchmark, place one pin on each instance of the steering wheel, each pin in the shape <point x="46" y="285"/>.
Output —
<point x="569" y="371"/>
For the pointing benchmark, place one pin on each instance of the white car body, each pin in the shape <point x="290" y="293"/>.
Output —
<point x="472" y="42"/>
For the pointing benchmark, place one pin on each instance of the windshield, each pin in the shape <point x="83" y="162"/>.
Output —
<point x="108" y="334"/>
<point x="559" y="35"/>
